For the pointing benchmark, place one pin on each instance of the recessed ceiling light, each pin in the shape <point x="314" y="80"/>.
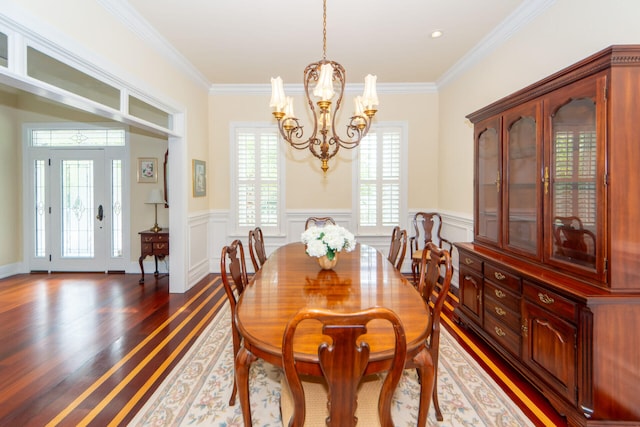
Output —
<point x="436" y="34"/>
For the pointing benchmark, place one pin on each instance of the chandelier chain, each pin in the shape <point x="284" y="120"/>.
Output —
<point x="324" y="30"/>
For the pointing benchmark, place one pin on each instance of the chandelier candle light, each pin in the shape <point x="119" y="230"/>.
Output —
<point x="323" y="77"/>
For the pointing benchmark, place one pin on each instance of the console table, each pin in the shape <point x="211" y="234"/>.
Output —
<point x="153" y="244"/>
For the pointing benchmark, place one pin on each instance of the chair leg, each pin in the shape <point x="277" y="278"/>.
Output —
<point x="232" y="399"/>
<point x="414" y="270"/>
<point x="436" y="404"/>
<point x="236" y="348"/>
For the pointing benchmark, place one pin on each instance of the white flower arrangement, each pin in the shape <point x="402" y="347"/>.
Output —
<point x="328" y="240"/>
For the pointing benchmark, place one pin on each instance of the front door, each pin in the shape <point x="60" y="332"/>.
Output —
<point x="73" y="224"/>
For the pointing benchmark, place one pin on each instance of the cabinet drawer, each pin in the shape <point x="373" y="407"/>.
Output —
<point x="499" y="275"/>
<point x="161" y="248"/>
<point x="154" y="238"/>
<point x="504" y="335"/>
<point x="502" y="313"/>
<point x="504" y="296"/>
<point x="550" y="301"/>
<point x="147" y="248"/>
<point x="471" y="262"/>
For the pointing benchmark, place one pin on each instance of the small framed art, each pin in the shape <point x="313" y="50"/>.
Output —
<point x="147" y="169"/>
<point x="199" y="178"/>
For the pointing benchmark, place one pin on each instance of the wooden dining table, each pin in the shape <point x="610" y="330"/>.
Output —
<point x="290" y="280"/>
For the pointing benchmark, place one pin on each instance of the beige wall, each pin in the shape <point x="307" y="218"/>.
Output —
<point x="440" y="138"/>
<point x="10" y="181"/>
<point x="109" y="42"/>
<point x="101" y="38"/>
<point x="306" y="185"/>
<point x="16" y="110"/>
<point x="567" y="32"/>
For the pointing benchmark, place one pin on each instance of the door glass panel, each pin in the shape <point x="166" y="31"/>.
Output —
<point x="4" y="50"/>
<point x="116" y="209"/>
<point x="40" y="225"/>
<point x="489" y="184"/>
<point x="574" y="183"/>
<point x="77" y="209"/>
<point x="522" y="185"/>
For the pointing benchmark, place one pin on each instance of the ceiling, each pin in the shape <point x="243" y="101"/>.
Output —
<point x="249" y="41"/>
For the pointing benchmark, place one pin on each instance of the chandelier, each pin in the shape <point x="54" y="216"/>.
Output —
<point x="324" y="79"/>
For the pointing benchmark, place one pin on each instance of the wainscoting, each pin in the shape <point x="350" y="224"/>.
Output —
<point x="455" y="227"/>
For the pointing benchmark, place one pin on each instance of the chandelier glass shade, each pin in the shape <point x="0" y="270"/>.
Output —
<point x="324" y="81"/>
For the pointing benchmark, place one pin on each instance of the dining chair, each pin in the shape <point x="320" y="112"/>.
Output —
<point x="398" y="247"/>
<point x="318" y="221"/>
<point x="436" y="271"/>
<point x="256" y="248"/>
<point x="572" y="240"/>
<point x="334" y="397"/>
<point x="232" y="264"/>
<point x="425" y="225"/>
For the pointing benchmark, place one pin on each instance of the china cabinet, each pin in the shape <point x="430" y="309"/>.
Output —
<point x="552" y="278"/>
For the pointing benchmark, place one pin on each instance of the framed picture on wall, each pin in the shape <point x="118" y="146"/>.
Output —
<point x="147" y="169"/>
<point x="199" y="178"/>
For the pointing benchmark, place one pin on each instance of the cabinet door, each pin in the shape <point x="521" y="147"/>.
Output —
<point x="522" y="145"/>
<point x="471" y="295"/>
<point x="549" y="348"/>
<point x="489" y="181"/>
<point x="574" y="177"/>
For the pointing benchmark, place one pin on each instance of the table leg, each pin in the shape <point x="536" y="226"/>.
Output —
<point x="244" y="359"/>
<point x="141" y="281"/>
<point x="156" y="258"/>
<point x="426" y="370"/>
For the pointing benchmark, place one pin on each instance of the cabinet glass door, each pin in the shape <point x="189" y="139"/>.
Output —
<point x="488" y="170"/>
<point x="522" y="175"/>
<point x="574" y="192"/>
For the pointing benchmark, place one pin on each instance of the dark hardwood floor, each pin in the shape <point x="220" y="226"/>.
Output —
<point x="89" y="349"/>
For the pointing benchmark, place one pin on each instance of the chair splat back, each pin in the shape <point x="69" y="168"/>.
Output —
<point x="398" y="247"/>
<point x="343" y="363"/>
<point x="318" y="221"/>
<point x="427" y="226"/>
<point x="256" y="248"/>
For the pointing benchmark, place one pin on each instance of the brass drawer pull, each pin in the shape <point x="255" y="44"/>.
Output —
<point x="500" y="311"/>
<point x="499" y="293"/>
<point x="499" y="331"/>
<point x="468" y="261"/>
<point x="499" y="275"/>
<point x="545" y="298"/>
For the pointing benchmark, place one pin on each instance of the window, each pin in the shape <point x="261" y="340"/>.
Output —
<point x="257" y="195"/>
<point x="575" y="172"/>
<point x="380" y="198"/>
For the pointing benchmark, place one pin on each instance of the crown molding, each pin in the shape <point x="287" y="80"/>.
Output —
<point x="298" y="89"/>
<point x="520" y="17"/>
<point x="130" y="17"/>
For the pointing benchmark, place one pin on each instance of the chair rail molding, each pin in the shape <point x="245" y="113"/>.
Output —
<point x="456" y="227"/>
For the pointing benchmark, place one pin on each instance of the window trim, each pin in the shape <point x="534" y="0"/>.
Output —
<point x="234" y="127"/>
<point x="402" y="212"/>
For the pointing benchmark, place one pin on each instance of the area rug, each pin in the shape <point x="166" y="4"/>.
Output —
<point x="196" y="392"/>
